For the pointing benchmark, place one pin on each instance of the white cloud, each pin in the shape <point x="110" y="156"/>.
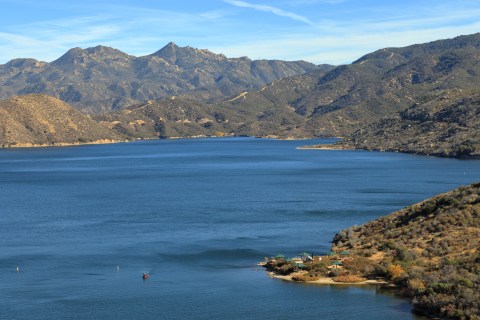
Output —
<point x="270" y="9"/>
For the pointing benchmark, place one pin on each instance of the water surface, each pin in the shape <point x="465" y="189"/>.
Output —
<point x="197" y="215"/>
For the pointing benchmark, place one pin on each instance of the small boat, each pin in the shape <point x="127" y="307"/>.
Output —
<point x="145" y="276"/>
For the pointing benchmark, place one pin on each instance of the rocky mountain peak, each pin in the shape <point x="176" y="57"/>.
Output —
<point x="171" y="45"/>
<point x="24" y="63"/>
<point x="104" y="52"/>
<point x="168" y="53"/>
<point x="69" y="55"/>
<point x="99" y="53"/>
<point x="186" y="56"/>
<point x="402" y="55"/>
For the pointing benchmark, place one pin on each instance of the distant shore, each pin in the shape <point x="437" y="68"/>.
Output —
<point x="108" y="141"/>
<point x="326" y="147"/>
<point x="60" y="144"/>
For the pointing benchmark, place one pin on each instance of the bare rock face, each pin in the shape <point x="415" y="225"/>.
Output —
<point x="103" y="78"/>
<point x="37" y="119"/>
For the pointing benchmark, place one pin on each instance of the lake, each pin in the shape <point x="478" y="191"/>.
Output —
<point x="198" y="215"/>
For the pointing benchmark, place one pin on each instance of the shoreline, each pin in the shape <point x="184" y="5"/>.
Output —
<point x="61" y="144"/>
<point x="327" y="281"/>
<point x="342" y="147"/>
<point x="109" y="141"/>
<point x="326" y="147"/>
<point x="334" y="146"/>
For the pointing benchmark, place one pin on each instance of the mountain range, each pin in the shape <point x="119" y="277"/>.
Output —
<point x="421" y="98"/>
<point x="345" y="99"/>
<point x="379" y="84"/>
<point x="102" y="78"/>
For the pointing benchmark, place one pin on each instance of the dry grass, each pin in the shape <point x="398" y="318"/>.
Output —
<point x="349" y="279"/>
<point x="303" y="277"/>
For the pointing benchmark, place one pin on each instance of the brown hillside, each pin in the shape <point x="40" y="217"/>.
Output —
<point x="39" y="119"/>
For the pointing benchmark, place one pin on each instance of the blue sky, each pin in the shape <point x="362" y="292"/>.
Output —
<point x="319" y="31"/>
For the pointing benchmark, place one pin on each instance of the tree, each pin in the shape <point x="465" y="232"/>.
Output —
<point x="395" y="271"/>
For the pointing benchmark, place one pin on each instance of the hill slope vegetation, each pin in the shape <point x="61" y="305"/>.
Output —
<point x="184" y="116"/>
<point x="448" y="126"/>
<point x="430" y="250"/>
<point x="379" y="84"/>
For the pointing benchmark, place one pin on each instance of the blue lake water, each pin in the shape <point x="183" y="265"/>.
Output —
<point x="197" y="215"/>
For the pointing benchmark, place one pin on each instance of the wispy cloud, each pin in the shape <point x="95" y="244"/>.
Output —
<point x="345" y="44"/>
<point x="332" y="1"/>
<point x="141" y="31"/>
<point x="270" y="9"/>
<point x="134" y="30"/>
<point x="214" y="15"/>
<point x="311" y="2"/>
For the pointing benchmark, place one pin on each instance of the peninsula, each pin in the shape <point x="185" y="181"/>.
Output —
<point x="428" y="251"/>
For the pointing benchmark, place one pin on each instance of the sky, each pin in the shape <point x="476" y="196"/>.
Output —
<point x="318" y="31"/>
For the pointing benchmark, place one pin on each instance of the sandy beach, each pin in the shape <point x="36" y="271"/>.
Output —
<point x="326" y="280"/>
<point x="326" y="147"/>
